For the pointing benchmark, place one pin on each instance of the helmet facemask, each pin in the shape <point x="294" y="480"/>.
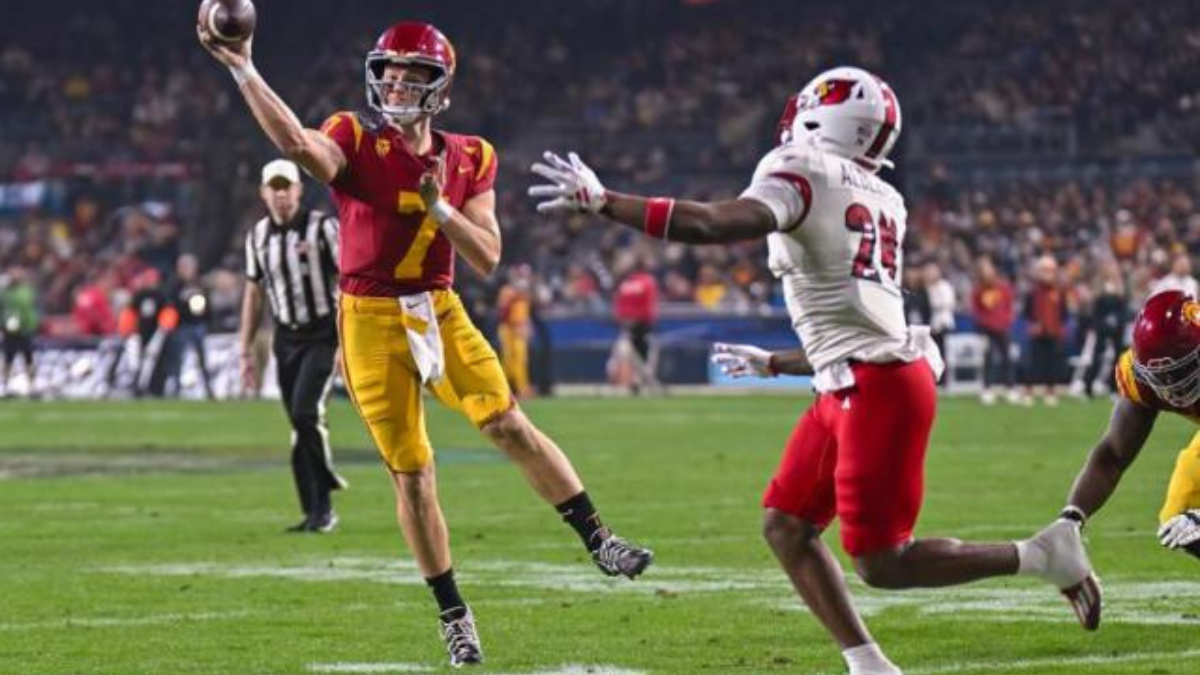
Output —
<point x="426" y="98"/>
<point x="1175" y="381"/>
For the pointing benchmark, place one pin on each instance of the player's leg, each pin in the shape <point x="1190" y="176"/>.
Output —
<point x="475" y="383"/>
<point x="288" y="354"/>
<point x="385" y="390"/>
<point x="312" y="437"/>
<point x="799" y="503"/>
<point x="880" y="485"/>
<point x="1183" y="490"/>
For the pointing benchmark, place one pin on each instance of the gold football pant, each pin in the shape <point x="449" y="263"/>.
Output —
<point x="384" y="383"/>
<point x="1183" y="492"/>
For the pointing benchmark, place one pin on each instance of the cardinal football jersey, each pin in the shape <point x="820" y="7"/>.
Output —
<point x="838" y="254"/>
<point x="390" y="245"/>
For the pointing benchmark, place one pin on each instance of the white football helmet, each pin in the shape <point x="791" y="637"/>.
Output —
<point x="848" y="112"/>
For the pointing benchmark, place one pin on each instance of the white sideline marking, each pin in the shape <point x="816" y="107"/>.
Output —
<point x="1127" y="601"/>
<point x="1050" y="662"/>
<point x="367" y="668"/>
<point x="570" y="669"/>
<point x="106" y="622"/>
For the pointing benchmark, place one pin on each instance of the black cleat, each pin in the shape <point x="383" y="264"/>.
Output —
<point x="616" y="557"/>
<point x="462" y="641"/>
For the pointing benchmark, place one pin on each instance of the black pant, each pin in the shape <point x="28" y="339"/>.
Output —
<point x="305" y="364"/>
<point x="1046" y="361"/>
<point x="997" y="363"/>
<point x="1103" y="339"/>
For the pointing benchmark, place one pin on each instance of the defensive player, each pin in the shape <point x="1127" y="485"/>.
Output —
<point x="409" y="197"/>
<point x="835" y="232"/>
<point x="1160" y="373"/>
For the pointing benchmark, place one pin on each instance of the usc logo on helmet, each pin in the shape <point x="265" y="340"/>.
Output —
<point x="1191" y="312"/>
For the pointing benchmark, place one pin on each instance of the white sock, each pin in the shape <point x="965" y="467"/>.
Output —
<point x="868" y="658"/>
<point x="1031" y="558"/>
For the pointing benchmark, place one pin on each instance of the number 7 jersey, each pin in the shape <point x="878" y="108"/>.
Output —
<point x="390" y="246"/>
<point x="838" y="254"/>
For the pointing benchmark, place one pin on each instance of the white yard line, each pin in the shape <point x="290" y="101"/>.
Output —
<point x="115" y="622"/>
<point x="1050" y="662"/>
<point x="355" y="668"/>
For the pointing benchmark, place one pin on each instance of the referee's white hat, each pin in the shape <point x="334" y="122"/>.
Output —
<point x="280" y="170"/>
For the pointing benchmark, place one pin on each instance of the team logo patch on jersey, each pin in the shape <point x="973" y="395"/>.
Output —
<point x="382" y="147"/>
<point x="1191" y="312"/>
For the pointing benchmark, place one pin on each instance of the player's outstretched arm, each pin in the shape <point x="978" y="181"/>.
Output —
<point x="572" y="186"/>
<point x="317" y="153"/>
<point x="1127" y="432"/>
<point x="747" y="360"/>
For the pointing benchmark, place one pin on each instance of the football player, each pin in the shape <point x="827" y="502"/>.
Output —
<point x="1160" y="373"/>
<point x="835" y="234"/>
<point x="409" y="197"/>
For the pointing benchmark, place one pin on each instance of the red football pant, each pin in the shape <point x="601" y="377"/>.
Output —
<point x="859" y="454"/>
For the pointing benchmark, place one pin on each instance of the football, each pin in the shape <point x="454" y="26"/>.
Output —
<point x="228" y="20"/>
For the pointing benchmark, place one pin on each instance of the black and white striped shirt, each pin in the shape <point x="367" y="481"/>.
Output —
<point x="297" y="264"/>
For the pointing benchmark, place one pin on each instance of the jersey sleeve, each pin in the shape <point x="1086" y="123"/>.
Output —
<point x="1127" y="385"/>
<point x="253" y="271"/>
<point x="486" y="164"/>
<point x="346" y="130"/>
<point x="783" y="182"/>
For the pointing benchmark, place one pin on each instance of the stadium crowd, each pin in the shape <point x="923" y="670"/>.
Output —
<point x="126" y="160"/>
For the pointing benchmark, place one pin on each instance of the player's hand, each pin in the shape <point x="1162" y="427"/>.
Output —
<point x="249" y="374"/>
<point x="431" y="187"/>
<point x="573" y="186"/>
<point x="230" y="54"/>
<point x="738" y="361"/>
<point x="1181" y="531"/>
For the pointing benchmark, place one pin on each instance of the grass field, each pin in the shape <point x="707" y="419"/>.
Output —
<point x="146" y="539"/>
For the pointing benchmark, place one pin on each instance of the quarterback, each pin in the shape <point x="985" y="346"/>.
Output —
<point x="835" y="234"/>
<point x="409" y="197"/>
<point x="1160" y="373"/>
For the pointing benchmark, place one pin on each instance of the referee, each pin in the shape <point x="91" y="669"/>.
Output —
<point x="291" y="258"/>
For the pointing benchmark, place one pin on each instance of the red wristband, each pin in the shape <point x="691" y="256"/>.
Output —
<point x="772" y="367"/>
<point x="658" y="216"/>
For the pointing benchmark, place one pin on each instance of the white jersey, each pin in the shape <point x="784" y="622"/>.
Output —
<point x="839" y="256"/>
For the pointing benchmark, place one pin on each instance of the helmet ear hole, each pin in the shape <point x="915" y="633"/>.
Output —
<point x="812" y="126"/>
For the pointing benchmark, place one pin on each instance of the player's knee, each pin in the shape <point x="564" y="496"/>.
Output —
<point x="881" y="570"/>
<point x="415" y="483"/>
<point x="784" y="531"/>
<point x="511" y="431"/>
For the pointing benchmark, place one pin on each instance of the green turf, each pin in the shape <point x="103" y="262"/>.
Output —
<point x="144" y="538"/>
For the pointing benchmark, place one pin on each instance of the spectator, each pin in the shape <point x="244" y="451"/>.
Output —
<point x="992" y="304"/>
<point x="1179" y="278"/>
<point x="514" y="306"/>
<point x="1109" y="316"/>
<point x="18" y="309"/>
<point x="941" y="304"/>
<point x="634" y="359"/>
<point x="1046" y="312"/>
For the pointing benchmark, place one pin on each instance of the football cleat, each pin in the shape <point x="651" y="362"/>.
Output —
<point x="462" y="640"/>
<point x="324" y="524"/>
<point x="616" y="557"/>
<point x="1068" y="568"/>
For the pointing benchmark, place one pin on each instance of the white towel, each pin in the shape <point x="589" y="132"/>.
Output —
<point x="424" y="337"/>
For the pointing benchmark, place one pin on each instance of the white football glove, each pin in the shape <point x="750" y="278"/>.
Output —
<point x="738" y="361"/>
<point x="1181" y="531"/>
<point x="573" y="185"/>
